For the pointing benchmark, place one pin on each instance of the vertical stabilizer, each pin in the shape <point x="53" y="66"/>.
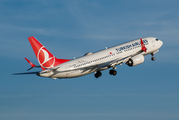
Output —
<point x="45" y="58"/>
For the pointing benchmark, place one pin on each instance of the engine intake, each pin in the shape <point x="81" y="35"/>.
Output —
<point x="136" y="60"/>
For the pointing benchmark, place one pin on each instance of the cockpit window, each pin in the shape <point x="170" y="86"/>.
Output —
<point x="156" y="39"/>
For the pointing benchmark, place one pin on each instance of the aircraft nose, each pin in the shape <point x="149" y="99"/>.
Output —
<point x="161" y="43"/>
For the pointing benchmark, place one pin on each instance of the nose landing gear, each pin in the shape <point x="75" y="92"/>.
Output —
<point x="153" y="58"/>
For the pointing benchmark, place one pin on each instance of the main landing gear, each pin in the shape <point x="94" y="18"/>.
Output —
<point x="112" y="72"/>
<point x="97" y="74"/>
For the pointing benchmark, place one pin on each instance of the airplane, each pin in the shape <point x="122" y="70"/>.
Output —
<point x="131" y="53"/>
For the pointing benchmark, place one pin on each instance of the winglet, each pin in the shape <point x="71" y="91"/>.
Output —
<point x="143" y="48"/>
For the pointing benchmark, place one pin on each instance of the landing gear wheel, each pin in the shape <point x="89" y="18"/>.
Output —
<point x="97" y="74"/>
<point x="113" y="72"/>
<point x="153" y="58"/>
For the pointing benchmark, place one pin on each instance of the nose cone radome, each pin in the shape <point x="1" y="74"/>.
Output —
<point x="161" y="43"/>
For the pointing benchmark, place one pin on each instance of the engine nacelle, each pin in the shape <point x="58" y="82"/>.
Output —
<point x="138" y="59"/>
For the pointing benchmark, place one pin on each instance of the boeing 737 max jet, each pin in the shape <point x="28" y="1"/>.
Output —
<point x="132" y="53"/>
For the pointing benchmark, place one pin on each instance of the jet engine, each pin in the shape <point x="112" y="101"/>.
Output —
<point x="138" y="59"/>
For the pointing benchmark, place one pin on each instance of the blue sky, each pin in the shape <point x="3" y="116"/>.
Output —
<point x="71" y="28"/>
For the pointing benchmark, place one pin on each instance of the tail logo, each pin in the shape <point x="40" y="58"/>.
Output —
<point x="45" y="58"/>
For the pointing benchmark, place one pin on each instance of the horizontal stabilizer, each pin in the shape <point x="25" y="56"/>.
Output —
<point x="26" y="73"/>
<point x="32" y="65"/>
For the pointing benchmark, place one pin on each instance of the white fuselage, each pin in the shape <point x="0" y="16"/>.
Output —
<point x="99" y="61"/>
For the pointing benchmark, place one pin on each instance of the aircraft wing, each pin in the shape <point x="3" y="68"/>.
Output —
<point x="85" y="69"/>
<point x="123" y="60"/>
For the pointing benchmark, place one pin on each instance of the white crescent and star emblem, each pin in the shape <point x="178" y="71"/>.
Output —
<point x="45" y="59"/>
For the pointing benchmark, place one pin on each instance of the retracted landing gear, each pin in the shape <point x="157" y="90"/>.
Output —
<point x="153" y="58"/>
<point x="97" y="74"/>
<point x="112" y="72"/>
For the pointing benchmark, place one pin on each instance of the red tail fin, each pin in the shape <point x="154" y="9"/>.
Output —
<point x="44" y="57"/>
<point x="143" y="46"/>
